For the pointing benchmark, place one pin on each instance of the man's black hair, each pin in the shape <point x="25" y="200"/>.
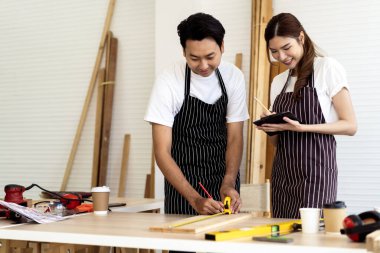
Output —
<point x="200" y="26"/>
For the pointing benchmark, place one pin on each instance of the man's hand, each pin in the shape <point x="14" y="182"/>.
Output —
<point x="230" y="191"/>
<point x="207" y="206"/>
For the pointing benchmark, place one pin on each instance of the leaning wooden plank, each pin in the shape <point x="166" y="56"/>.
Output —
<point x="98" y="128"/>
<point x="152" y="175"/>
<point x="239" y="60"/>
<point x="124" y="165"/>
<point x="258" y="87"/>
<point x="201" y="225"/>
<point x="90" y="90"/>
<point x="107" y="115"/>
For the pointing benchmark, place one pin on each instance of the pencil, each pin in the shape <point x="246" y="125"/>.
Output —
<point x="262" y="105"/>
<point x="204" y="189"/>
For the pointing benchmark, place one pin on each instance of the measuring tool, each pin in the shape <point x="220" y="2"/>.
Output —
<point x="227" y="210"/>
<point x="261" y="230"/>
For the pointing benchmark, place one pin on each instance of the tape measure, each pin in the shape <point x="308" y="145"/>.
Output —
<point x="262" y="230"/>
<point x="227" y="210"/>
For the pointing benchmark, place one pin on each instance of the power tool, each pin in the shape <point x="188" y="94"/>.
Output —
<point x="13" y="193"/>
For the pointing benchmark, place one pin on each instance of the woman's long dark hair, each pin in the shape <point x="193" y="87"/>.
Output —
<point x="287" y="25"/>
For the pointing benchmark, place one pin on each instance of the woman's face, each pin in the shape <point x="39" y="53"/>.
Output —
<point x="287" y="50"/>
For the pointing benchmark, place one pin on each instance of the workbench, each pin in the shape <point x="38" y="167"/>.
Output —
<point x="131" y="230"/>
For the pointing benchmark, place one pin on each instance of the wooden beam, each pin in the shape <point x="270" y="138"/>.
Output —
<point x="90" y="90"/>
<point x="98" y="128"/>
<point x="124" y="166"/>
<point x="258" y="87"/>
<point x="107" y="111"/>
<point x="239" y="60"/>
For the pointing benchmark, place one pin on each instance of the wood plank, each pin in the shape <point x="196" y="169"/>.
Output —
<point x="370" y="240"/>
<point x="98" y="128"/>
<point x="259" y="83"/>
<point x="107" y="116"/>
<point x="124" y="166"/>
<point x="152" y="175"/>
<point x="200" y="226"/>
<point x="239" y="60"/>
<point x="147" y="192"/>
<point x="74" y="148"/>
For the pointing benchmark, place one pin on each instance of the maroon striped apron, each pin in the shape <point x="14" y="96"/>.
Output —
<point x="304" y="169"/>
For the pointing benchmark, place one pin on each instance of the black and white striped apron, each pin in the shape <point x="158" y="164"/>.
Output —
<point x="199" y="141"/>
<point x="304" y="169"/>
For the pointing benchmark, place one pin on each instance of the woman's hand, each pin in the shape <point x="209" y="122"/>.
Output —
<point x="291" y="125"/>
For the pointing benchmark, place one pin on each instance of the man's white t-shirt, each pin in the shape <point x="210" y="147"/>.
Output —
<point x="169" y="88"/>
<point x="329" y="78"/>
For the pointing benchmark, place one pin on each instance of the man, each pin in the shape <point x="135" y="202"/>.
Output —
<point x="197" y="110"/>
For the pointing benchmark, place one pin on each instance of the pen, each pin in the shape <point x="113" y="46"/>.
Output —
<point x="262" y="105"/>
<point x="204" y="189"/>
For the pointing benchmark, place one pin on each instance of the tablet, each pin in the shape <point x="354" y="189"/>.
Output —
<point x="275" y="119"/>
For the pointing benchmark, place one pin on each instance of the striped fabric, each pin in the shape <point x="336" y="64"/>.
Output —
<point x="304" y="169"/>
<point x="198" y="147"/>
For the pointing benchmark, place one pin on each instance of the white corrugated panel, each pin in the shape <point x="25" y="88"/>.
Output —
<point x="349" y="31"/>
<point x="48" y="50"/>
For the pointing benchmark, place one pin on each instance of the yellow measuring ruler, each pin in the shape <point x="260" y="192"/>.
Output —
<point x="260" y="230"/>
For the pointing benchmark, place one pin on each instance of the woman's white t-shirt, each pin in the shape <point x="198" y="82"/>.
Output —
<point x="169" y="88"/>
<point x="329" y="78"/>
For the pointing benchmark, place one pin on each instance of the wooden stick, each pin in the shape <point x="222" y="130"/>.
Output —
<point x="107" y="115"/>
<point x="98" y="128"/>
<point x="147" y="193"/>
<point x="90" y="90"/>
<point x="239" y="60"/>
<point x="262" y="105"/>
<point x="124" y="165"/>
<point x="152" y="175"/>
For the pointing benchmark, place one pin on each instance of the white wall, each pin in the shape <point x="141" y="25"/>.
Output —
<point x="349" y="31"/>
<point x="47" y="53"/>
<point x="48" y="50"/>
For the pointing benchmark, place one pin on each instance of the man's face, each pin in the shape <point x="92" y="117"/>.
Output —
<point x="203" y="56"/>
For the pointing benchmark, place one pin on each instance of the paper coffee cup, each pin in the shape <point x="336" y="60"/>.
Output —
<point x="310" y="220"/>
<point x="100" y="199"/>
<point x="334" y="214"/>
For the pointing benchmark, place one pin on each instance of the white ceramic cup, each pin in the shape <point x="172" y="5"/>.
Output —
<point x="310" y="220"/>
<point x="100" y="199"/>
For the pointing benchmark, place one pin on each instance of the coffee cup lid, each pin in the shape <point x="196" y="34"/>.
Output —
<point x="100" y="189"/>
<point x="336" y="204"/>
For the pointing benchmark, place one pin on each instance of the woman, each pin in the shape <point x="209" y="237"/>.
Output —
<point x="314" y="89"/>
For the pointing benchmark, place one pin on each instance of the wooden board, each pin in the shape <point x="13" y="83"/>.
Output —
<point x="98" y="128"/>
<point x="124" y="165"/>
<point x="107" y="108"/>
<point x="200" y="226"/>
